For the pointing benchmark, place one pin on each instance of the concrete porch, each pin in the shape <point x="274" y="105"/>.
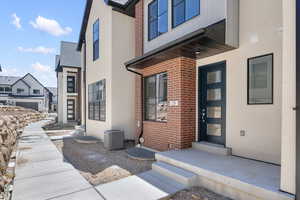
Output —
<point x="231" y="176"/>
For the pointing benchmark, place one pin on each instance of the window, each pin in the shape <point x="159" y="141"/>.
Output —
<point x="96" y="40"/>
<point x="7" y="89"/>
<point x="156" y="97"/>
<point x="157" y="18"/>
<point x="97" y="101"/>
<point x="260" y="80"/>
<point x="36" y="91"/>
<point x="71" y="84"/>
<point x="1" y="89"/>
<point x="184" y="10"/>
<point x="19" y="90"/>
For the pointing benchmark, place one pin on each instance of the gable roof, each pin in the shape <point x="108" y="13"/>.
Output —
<point x="69" y="56"/>
<point x="53" y="90"/>
<point x="28" y="74"/>
<point x="21" y="79"/>
<point x="8" y="80"/>
<point x="123" y="6"/>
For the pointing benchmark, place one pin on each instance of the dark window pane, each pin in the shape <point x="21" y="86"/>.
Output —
<point x="153" y="11"/>
<point x="163" y="23"/>
<point x="96" y="38"/>
<point x="151" y="87"/>
<point x="153" y="32"/>
<point x="150" y="112"/>
<point x="175" y="2"/>
<point x="178" y="14"/>
<point x="162" y="6"/>
<point x="192" y="8"/>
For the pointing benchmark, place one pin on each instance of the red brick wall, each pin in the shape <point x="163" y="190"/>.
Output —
<point x="179" y="131"/>
<point x="139" y="26"/>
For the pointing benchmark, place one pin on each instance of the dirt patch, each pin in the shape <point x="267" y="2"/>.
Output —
<point x="197" y="193"/>
<point x="99" y="165"/>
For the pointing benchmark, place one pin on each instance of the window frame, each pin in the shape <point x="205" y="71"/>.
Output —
<point x="185" y="20"/>
<point x="74" y="84"/>
<point x="92" y="103"/>
<point x="157" y="18"/>
<point x="156" y="97"/>
<point x="248" y="79"/>
<point x="96" y="42"/>
<point x="20" y="90"/>
<point x="35" y="90"/>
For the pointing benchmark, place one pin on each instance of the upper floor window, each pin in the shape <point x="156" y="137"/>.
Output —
<point x="96" y="40"/>
<point x="70" y="84"/>
<point x="20" y="90"/>
<point x="157" y="18"/>
<point x="184" y="10"/>
<point x="36" y="91"/>
<point x="1" y="89"/>
<point x="7" y="89"/>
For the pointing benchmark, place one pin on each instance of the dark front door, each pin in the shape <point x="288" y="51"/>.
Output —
<point x="71" y="109"/>
<point x="212" y="103"/>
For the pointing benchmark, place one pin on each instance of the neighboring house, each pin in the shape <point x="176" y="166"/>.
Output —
<point x="106" y="42"/>
<point x="70" y="86"/>
<point x="25" y="91"/>
<point x="53" y="105"/>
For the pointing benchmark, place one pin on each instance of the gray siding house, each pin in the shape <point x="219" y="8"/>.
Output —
<point x="69" y="84"/>
<point x="25" y="91"/>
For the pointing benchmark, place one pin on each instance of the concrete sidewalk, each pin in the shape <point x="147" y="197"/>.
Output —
<point x="42" y="173"/>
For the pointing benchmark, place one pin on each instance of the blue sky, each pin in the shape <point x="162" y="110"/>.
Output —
<point x="31" y="31"/>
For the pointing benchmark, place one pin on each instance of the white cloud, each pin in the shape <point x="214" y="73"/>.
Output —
<point x="45" y="74"/>
<point x="9" y="71"/>
<point x="38" y="67"/>
<point x="16" y="21"/>
<point x="50" y="26"/>
<point x="40" y="49"/>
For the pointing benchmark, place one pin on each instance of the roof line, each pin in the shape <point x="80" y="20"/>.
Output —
<point x="125" y="9"/>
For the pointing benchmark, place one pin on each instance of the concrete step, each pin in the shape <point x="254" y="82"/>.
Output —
<point x="180" y="175"/>
<point x="212" y="148"/>
<point x="149" y="185"/>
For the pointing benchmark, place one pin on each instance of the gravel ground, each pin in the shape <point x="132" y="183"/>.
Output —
<point x="197" y="193"/>
<point x="97" y="164"/>
<point x="57" y="126"/>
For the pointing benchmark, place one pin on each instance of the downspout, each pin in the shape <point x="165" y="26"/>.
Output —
<point x="84" y="77"/>
<point x="142" y="101"/>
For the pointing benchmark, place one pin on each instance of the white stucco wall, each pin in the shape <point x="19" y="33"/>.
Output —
<point x="260" y="34"/>
<point x="116" y="47"/>
<point x="123" y="82"/>
<point x="101" y="68"/>
<point x="288" y="129"/>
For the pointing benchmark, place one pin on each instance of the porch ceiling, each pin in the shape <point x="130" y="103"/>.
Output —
<point x="201" y="43"/>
